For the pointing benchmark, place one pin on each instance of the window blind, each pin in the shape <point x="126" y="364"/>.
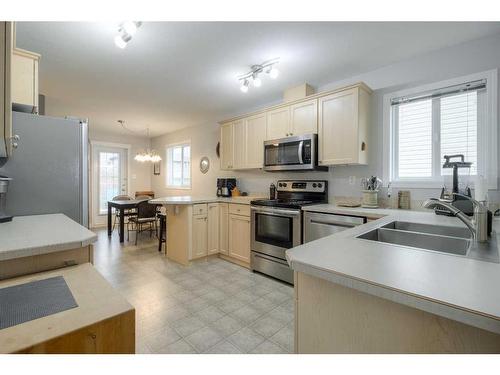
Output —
<point x="414" y="141"/>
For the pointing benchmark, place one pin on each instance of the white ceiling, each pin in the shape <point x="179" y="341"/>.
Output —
<point x="174" y="75"/>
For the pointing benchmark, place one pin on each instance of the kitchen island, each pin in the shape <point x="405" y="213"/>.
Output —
<point x="359" y="296"/>
<point x="103" y="322"/>
<point x="38" y="243"/>
<point x="198" y="227"/>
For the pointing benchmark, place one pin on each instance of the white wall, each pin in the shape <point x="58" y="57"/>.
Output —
<point x="467" y="58"/>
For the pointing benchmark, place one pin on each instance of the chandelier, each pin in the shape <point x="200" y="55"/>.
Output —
<point x="145" y="155"/>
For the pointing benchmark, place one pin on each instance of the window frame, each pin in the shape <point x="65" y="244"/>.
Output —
<point x="168" y="161"/>
<point x="486" y="138"/>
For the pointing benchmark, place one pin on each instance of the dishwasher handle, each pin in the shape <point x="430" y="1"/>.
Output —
<point x="334" y="223"/>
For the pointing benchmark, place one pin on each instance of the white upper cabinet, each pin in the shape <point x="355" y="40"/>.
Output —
<point x="340" y="118"/>
<point x="343" y="123"/>
<point x="25" y="77"/>
<point x="278" y="123"/>
<point x="226" y="146"/>
<point x="304" y="118"/>
<point x="239" y="144"/>
<point x="255" y="136"/>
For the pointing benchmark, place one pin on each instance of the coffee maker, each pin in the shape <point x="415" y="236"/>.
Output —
<point x="4" y="184"/>
<point x="224" y="186"/>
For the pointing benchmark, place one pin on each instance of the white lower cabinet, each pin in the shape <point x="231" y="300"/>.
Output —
<point x="200" y="239"/>
<point x="223" y="228"/>
<point x="213" y="228"/>
<point x="239" y="237"/>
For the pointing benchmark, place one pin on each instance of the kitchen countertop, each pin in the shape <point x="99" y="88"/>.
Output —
<point x="96" y="299"/>
<point x="188" y="199"/>
<point x="454" y="287"/>
<point x="41" y="234"/>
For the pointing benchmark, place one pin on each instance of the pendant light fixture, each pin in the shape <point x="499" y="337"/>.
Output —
<point x="147" y="155"/>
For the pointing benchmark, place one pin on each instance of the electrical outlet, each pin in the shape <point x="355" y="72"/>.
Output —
<point x="352" y="180"/>
<point x="134" y="176"/>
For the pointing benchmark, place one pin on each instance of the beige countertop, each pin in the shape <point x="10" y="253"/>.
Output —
<point x="41" y="234"/>
<point x="96" y="299"/>
<point x="454" y="287"/>
<point x="188" y="199"/>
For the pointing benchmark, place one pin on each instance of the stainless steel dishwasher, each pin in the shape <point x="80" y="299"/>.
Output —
<point x="318" y="225"/>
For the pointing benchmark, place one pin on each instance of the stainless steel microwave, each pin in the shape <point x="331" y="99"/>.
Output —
<point x="298" y="153"/>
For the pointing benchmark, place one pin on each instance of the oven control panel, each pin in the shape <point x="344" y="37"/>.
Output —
<point x="302" y="186"/>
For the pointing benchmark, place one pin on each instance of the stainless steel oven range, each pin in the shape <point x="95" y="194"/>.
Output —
<point x="276" y="225"/>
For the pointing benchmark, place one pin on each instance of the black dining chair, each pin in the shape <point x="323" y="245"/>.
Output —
<point x="146" y="216"/>
<point x="117" y="217"/>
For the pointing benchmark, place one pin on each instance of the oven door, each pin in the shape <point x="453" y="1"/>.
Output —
<point x="274" y="230"/>
<point x="292" y="153"/>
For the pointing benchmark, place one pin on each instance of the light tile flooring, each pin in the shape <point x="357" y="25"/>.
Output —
<point x="211" y="306"/>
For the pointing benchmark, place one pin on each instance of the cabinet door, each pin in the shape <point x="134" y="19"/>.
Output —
<point x="24" y="77"/>
<point x="304" y="118"/>
<point x="5" y="89"/>
<point x="226" y="146"/>
<point x="200" y="226"/>
<point x="255" y="136"/>
<point x="278" y="123"/>
<point x="213" y="228"/>
<point x="239" y="237"/>
<point x="223" y="228"/>
<point x="239" y="151"/>
<point x="338" y="128"/>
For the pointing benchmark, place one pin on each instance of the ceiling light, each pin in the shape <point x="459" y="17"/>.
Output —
<point x="130" y="27"/>
<point x="244" y="86"/>
<point x="121" y="42"/>
<point x="257" y="82"/>
<point x="267" y="67"/>
<point x="274" y="73"/>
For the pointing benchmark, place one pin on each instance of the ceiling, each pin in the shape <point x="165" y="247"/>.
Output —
<point x="174" y="75"/>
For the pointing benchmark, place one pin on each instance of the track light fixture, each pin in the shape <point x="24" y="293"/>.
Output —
<point x="125" y="32"/>
<point x="267" y="67"/>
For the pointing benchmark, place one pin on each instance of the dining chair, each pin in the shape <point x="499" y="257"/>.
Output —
<point x="146" y="215"/>
<point x="117" y="217"/>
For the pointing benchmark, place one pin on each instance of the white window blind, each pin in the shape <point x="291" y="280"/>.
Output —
<point x="179" y="166"/>
<point x="415" y="139"/>
<point x="430" y="125"/>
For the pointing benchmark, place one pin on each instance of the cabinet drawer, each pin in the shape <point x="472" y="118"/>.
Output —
<point x="200" y="209"/>
<point x="239" y="209"/>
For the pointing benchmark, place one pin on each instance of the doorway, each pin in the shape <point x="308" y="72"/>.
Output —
<point x="109" y="177"/>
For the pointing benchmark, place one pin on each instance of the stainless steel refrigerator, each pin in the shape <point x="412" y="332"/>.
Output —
<point x="49" y="167"/>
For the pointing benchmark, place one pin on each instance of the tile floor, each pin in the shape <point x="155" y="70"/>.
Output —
<point x="211" y="306"/>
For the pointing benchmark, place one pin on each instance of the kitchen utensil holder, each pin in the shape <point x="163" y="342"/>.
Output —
<point x="370" y="199"/>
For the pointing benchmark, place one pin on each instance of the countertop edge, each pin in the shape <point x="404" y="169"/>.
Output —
<point x="457" y="313"/>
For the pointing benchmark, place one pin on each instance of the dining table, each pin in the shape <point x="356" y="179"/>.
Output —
<point x="121" y="206"/>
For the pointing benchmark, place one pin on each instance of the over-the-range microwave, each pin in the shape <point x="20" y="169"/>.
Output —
<point x="299" y="153"/>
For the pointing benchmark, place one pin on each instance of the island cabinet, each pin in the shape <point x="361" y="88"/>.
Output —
<point x="102" y="323"/>
<point x="200" y="236"/>
<point x="343" y="127"/>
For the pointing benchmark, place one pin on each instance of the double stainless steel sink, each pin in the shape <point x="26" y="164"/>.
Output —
<point x="444" y="239"/>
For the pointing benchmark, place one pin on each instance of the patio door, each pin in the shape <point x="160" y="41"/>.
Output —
<point x="109" y="178"/>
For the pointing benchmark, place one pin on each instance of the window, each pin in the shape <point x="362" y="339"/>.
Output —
<point x="179" y="166"/>
<point x="427" y="123"/>
<point x="109" y="178"/>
